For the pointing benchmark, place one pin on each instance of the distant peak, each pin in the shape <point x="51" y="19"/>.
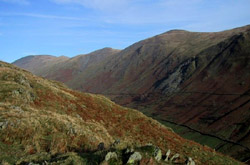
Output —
<point x="105" y="50"/>
<point x="42" y="55"/>
<point x="177" y="31"/>
<point x="62" y="56"/>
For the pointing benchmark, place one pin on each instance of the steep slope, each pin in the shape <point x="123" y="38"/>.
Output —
<point x="40" y="118"/>
<point x="197" y="83"/>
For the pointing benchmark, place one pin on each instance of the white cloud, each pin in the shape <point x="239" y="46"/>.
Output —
<point x="42" y="16"/>
<point x="140" y="11"/>
<point x="19" y="2"/>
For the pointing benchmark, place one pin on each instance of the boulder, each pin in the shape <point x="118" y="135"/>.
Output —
<point x="167" y="155"/>
<point x="157" y="154"/>
<point x="135" y="157"/>
<point x="111" y="155"/>
<point x="175" y="157"/>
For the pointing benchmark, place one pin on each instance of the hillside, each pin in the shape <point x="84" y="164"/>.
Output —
<point x="41" y="119"/>
<point x="196" y="83"/>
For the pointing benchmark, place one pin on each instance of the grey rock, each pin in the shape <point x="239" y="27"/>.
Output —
<point x="175" y="157"/>
<point x="167" y="155"/>
<point x="111" y="155"/>
<point x="136" y="156"/>
<point x="157" y="154"/>
<point x="176" y="77"/>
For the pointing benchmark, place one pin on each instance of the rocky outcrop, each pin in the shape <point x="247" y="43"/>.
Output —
<point x="140" y="155"/>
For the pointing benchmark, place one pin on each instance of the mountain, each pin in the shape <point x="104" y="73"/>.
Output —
<point x="197" y="83"/>
<point x="44" y="122"/>
<point x="62" y="68"/>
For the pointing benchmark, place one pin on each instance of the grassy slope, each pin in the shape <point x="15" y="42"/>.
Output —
<point x="38" y="115"/>
<point x="144" y="75"/>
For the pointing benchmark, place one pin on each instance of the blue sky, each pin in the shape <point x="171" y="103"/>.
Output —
<point x="72" y="27"/>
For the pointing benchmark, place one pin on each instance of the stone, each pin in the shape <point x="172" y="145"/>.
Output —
<point x="167" y="155"/>
<point x="157" y="154"/>
<point x="175" y="157"/>
<point x="190" y="161"/>
<point x="111" y="155"/>
<point x="136" y="156"/>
